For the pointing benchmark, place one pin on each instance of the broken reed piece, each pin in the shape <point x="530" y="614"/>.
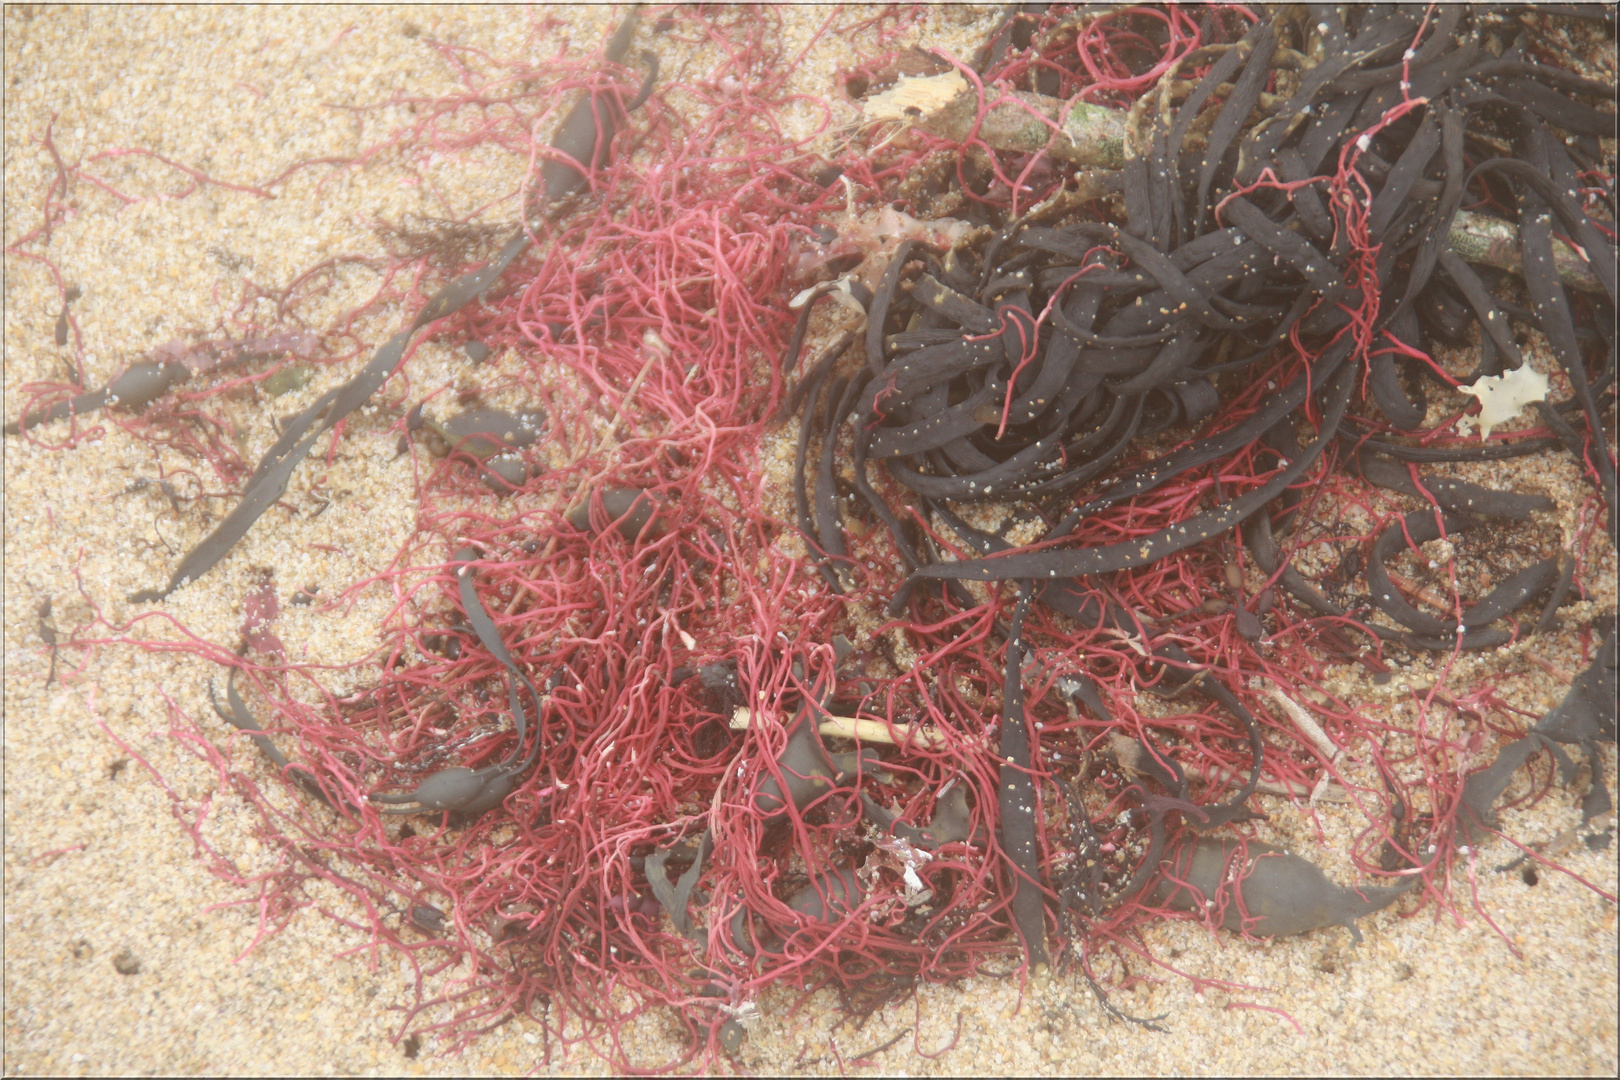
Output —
<point x="1313" y="733"/>
<point x="850" y="727"/>
<point x="1495" y="243"/>
<point x="947" y="106"/>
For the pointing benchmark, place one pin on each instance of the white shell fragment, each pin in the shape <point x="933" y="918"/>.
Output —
<point x="1502" y="396"/>
<point x="913" y="97"/>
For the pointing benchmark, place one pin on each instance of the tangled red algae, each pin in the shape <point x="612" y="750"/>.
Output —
<point x="650" y="325"/>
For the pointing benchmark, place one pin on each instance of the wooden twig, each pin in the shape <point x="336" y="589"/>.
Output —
<point x="1313" y="732"/>
<point x="850" y="727"/>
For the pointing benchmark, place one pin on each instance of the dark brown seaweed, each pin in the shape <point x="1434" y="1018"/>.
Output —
<point x="1261" y="890"/>
<point x="270" y="478"/>
<point x="137" y="387"/>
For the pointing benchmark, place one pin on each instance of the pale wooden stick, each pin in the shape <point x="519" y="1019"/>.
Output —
<point x="1306" y="723"/>
<point x="850" y="727"/>
<point x="945" y="105"/>
<point x="1312" y="731"/>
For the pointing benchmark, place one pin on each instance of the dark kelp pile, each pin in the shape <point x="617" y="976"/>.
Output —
<point x="1084" y="463"/>
<point x="1282" y="273"/>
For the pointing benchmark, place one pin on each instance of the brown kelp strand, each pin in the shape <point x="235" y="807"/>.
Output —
<point x="134" y="389"/>
<point x="583" y="136"/>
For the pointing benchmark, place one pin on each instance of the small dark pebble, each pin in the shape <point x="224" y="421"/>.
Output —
<point x="412" y="1046"/>
<point x="427" y="917"/>
<point x="125" y="963"/>
<point x="732" y="1035"/>
<point x="484" y="433"/>
<point x="631" y="508"/>
<point x="81" y="949"/>
<point x="71" y="295"/>
<point x="1599" y="841"/>
<point x="305" y="596"/>
<point x="504" y="474"/>
<point x="477" y="351"/>
<point x="1529" y="876"/>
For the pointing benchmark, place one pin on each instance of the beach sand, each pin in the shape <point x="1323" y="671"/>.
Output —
<point x="118" y="955"/>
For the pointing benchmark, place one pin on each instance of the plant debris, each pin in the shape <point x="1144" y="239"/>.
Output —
<point x="1114" y="438"/>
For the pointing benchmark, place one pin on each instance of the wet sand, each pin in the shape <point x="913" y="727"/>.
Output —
<point x="118" y="957"/>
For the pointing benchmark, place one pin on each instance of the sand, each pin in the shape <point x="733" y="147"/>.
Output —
<point x="119" y="956"/>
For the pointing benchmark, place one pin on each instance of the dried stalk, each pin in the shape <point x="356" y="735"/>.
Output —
<point x="1313" y="732"/>
<point x="850" y="727"/>
<point x="946" y="106"/>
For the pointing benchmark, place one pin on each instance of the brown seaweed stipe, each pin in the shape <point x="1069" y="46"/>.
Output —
<point x="135" y="389"/>
<point x="583" y="137"/>
<point x="242" y="720"/>
<point x="1258" y="889"/>
<point x="459" y="789"/>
